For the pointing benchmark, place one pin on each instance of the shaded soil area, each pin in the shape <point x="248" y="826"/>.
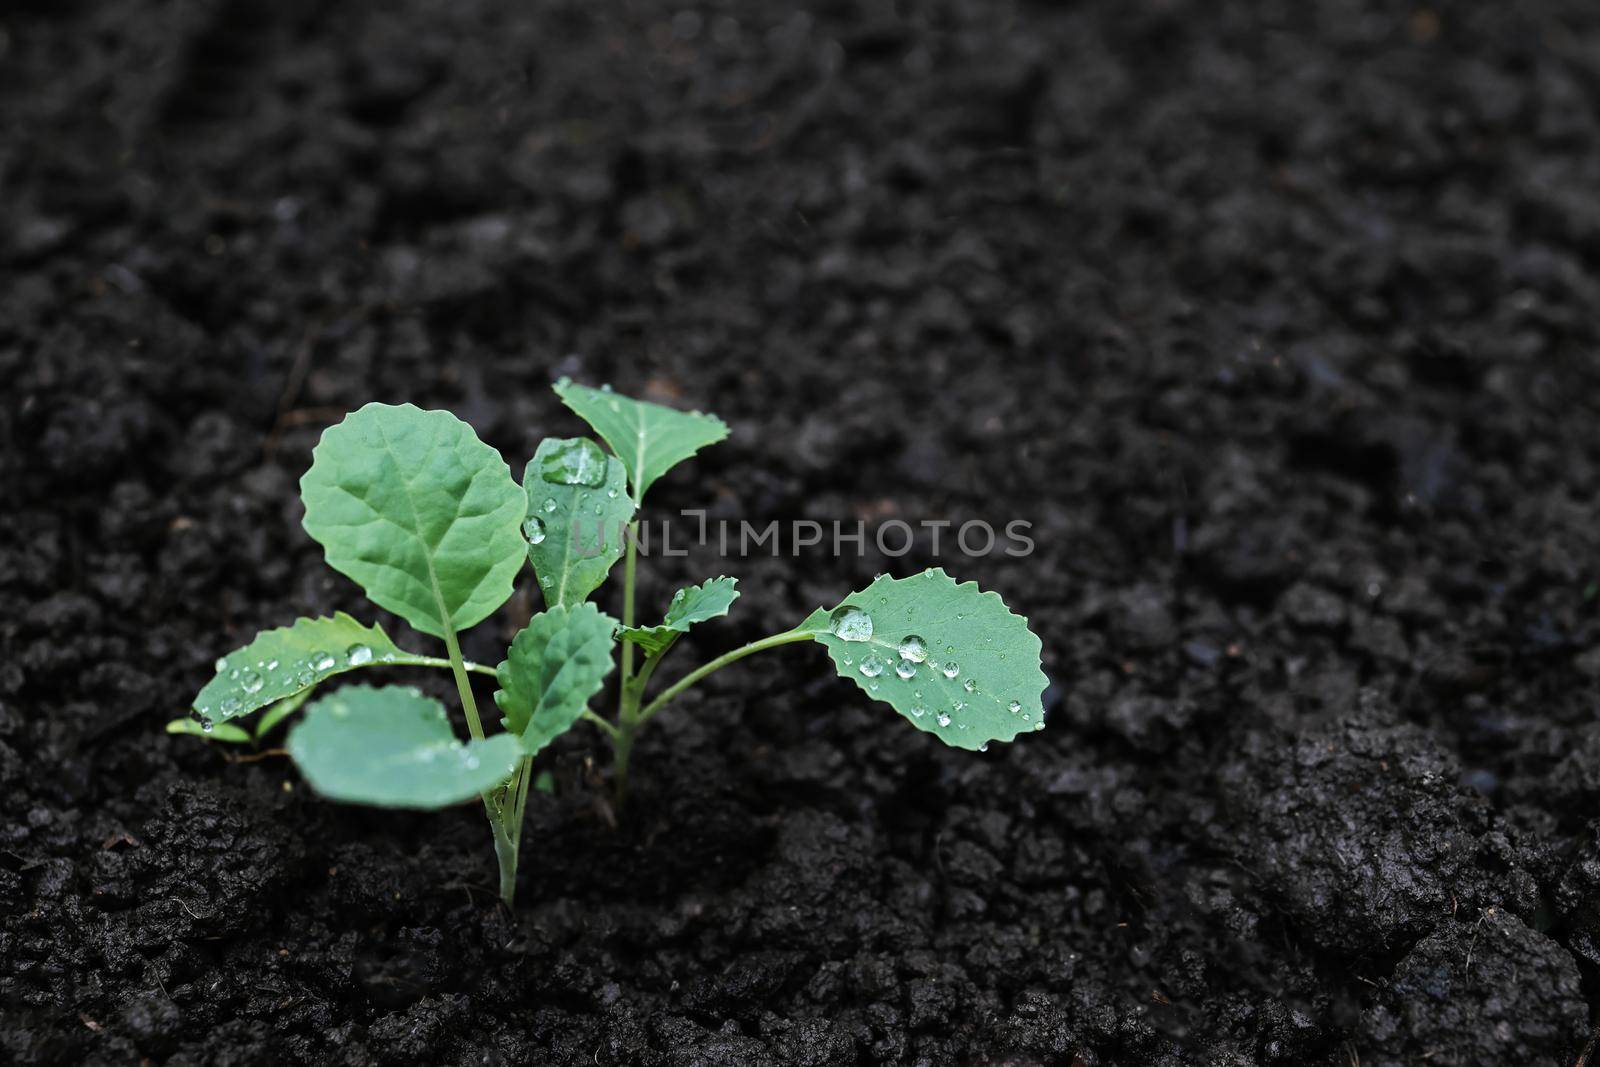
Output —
<point x="1277" y="321"/>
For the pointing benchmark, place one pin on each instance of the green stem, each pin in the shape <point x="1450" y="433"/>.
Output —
<point x="628" y="567"/>
<point x="786" y="638"/>
<point x="605" y="727"/>
<point x="505" y="850"/>
<point x="463" y="684"/>
<point x="494" y="803"/>
<point x="436" y="661"/>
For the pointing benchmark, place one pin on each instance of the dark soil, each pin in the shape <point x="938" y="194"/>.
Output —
<point x="1279" y="322"/>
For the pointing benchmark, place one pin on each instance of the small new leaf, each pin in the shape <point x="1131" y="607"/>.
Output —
<point x="556" y="664"/>
<point x="649" y="439"/>
<point x="281" y="711"/>
<point x="697" y="603"/>
<point x="422" y="514"/>
<point x="578" y="510"/>
<point x="226" y="732"/>
<point x="291" y="659"/>
<point x="392" y="747"/>
<point x="953" y="660"/>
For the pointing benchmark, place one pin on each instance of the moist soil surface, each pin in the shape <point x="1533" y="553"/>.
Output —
<point x="1277" y="322"/>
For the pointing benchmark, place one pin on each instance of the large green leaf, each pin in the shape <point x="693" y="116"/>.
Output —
<point x="393" y="748"/>
<point x="648" y="438"/>
<point x="953" y="660"/>
<point x="556" y="665"/>
<point x="578" y="512"/>
<point x="291" y="659"/>
<point x="697" y="603"/>
<point x="421" y="513"/>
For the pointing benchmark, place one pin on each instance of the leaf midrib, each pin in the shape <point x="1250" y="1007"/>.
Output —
<point x="446" y="622"/>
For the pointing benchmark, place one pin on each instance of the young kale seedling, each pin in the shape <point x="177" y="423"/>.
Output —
<point x="425" y="517"/>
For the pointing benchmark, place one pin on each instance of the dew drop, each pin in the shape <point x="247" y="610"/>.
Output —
<point x="612" y="493"/>
<point x="1039" y="725"/>
<point x="322" y="661"/>
<point x="918" y="711"/>
<point x="472" y="763"/>
<point x="950" y="669"/>
<point x="305" y="676"/>
<point x="850" y="623"/>
<point x="872" y="665"/>
<point x="533" y="530"/>
<point x="1014" y="707"/>
<point x="984" y="747"/>
<point x="250" y="682"/>
<point x="943" y="719"/>
<point x="272" y="664"/>
<point x="550" y="505"/>
<point x="913" y="648"/>
<point x="358" y="655"/>
<point x="575" y="462"/>
<point x="205" y="725"/>
<point x="970" y="685"/>
<point x="906" y="669"/>
<point x="222" y="664"/>
<point x="229" y="705"/>
<point x="847" y="659"/>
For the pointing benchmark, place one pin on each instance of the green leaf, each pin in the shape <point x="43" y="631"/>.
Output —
<point x="953" y="660"/>
<point x="226" y="732"/>
<point x="578" y="510"/>
<point x="281" y="711"/>
<point x="556" y="664"/>
<point x="422" y="514"/>
<point x="697" y="603"/>
<point x="392" y="747"/>
<point x="648" y="438"/>
<point x="291" y="659"/>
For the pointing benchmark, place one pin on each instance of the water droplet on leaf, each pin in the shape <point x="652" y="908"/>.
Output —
<point x="250" y="682"/>
<point x="970" y="685"/>
<point x="358" y="655"/>
<point x="950" y="669"/>
<point x="575" y="462"/>
<point x="943" y="720"/>
<point x="906" y="669"/>
<point x="533" y="530"/>
<point x="872" y="665"/>
<point x="322" y="661"/>
<point x="850" y="623"/>
<point x="1014" y="707"/>
<point x="913" y="648"/>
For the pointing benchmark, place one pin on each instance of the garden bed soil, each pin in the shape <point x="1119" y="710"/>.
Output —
<point x="1277" y="322"/>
